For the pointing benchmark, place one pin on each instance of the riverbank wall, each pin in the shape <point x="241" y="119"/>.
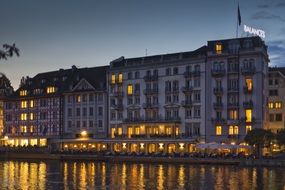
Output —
<point x="145" y="159"/>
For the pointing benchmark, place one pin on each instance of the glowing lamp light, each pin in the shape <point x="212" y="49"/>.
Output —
<point x="75" y="146"/>
<point x="103" y="146"/>
<point x="93" y="146"/>
<point x="181" y="145"/>
<point x="83" y="133"/>
<point x="6" y="137"/>
<point x="160" y="145"/>
<point x="84" y="146"/>
<point x="124" y="145"/>
<point x="66" y="146"/>
<point x="142" y="145"/>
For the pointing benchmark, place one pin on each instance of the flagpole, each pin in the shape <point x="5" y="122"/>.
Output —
<point x="237" y="23"/>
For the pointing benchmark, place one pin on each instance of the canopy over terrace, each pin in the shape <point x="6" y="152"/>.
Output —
<point x="213" y="146"/>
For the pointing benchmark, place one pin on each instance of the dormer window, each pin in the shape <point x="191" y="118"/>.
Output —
<point x="23" y="92"/>
<point x="43" y="81"/>
<point x="50" y="89"/>
<point x="219" y="48"/>
<point x="55" y="79"/>
<point x="64" y="78"/>
<point x="37" y="91"/>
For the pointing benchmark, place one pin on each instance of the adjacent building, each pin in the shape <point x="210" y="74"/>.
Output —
<point x="276" y="98"/>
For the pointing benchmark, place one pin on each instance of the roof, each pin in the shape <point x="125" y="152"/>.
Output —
<point x="64" y="80"/>
<point x="280" y="69"/>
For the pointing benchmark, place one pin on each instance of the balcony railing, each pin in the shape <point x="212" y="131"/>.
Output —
<point x="246" y="90"/>
<point x="148" y="78"/>
<point x="218" y="90"/>
<point x="188" y="74"/>
<point x="233" y="105"/>
<point x="152" y="119"/>
<point x="218" y="105"/>
<point x="150" y="105"/>
<point x="187" y="89"/>
<point x="150" y="91"/>
<point x="187" y="103"/>
<point x="219" y="120"/>
<point x="248" y="70"/>
<point x="233" y="90"/>
<point x="248" y="104"/>
<point x="218" y="72"/>
<point x="118" y="94"/>
<point x="245" y="120"/>
<point x="117" y="106"/>
<point x="233" y="70"/>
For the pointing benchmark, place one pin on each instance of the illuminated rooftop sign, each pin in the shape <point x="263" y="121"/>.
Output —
<point x="254" y="31"/>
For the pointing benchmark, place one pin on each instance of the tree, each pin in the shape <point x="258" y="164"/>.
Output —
<point x="9" y="51"/>
<point x="259" y="138"/>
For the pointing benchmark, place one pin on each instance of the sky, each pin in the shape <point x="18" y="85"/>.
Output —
<point x="53" y="34"/>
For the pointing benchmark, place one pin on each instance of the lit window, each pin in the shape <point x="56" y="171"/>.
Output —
<point x="23" y="116"/>
<point x="233" y="114"/>
<point x="248" y="82"/>
<point x="130" y="89"/>
<point x="120" y="131"/>
<point x="78" y="98"/>
<point x="231" y="130"/>
<point x="219" y="48"/>
<point x="278" y="105"/>
<point x="50" y="89"/>
<point x="247" y="128"/>
<point x="218" y="130"/>
<point x="248" y="115"/>
<point x="31" y="116"/>
<point x="32" y="103"/>
<point x="23" y="104"/>
<point x="270" y="105"/>
<point x="120" y="78"/>
<point x="32" y="129"/>
<point x="23" y="93"/>
<point x="113" y="79"/>
<point x="23" y="128"/>
<point x="236" y="130"/>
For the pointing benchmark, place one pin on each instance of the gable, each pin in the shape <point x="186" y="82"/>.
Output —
<point x="83" y="85"/>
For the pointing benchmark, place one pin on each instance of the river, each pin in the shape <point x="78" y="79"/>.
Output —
<point x="57" y="175"/>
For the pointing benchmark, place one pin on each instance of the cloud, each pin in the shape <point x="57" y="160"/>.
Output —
<point x="264" y="15"/>
<point x="276" y="51"/>
<point x="280" y="4"/>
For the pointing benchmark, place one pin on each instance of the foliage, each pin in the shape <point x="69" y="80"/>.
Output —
<point x="9" y="51"/>
<point x="280" y="137"/>
<point x="259" y="137"/>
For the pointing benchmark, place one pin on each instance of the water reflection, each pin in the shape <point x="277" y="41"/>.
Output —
<point x="101" y="175"/>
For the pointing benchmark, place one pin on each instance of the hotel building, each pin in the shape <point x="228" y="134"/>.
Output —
<point x="169" y="102"/>
<point x="276" y="87"/>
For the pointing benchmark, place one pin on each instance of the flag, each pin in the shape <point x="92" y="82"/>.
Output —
<point x="239" y="17"/>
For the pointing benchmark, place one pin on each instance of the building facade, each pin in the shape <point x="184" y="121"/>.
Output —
<point x="276" y="87"/>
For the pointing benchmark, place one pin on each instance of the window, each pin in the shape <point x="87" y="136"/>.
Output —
<point x="270" y="105"/>
<point x="100" y="123"/>
<point x="77" y="111"/>
<point x="100" y="111"/>
<point x="78" y="98"/>
<point x="233" y="114"/>
<point x="270" y="82"/>
<point x="32" y="103"/>
<point x="31" y="116"/>
<point x="247" y="128"/>
<point x="137" y="74"/>
<point x="248" y="115"/>
<point x="271" y="117"/>
<point x="276" y="82"/>
<point x="84" y="97"/>
<point x="23" y="104"/>
<point x="130" y="89"/>
<point x="278" y="117"/>
<point x="69" y="124"/>
<point x="218" y="130"/>
<point x="278" y="105"/>
<point x="84" y="112"/>
<point x="130" y="75"/>
<point x="23" y="116"/>
<point x="219" y="48"/>
<point x="113" y="79"/>
<point x="23" y="92"/>
<point x="175" y="71"/>
<point x="248" y="82"/>
<point x="78" y="124"/>
<point x="137" y="100"/>
<point x="120" y="80"/>
<point x="236" y="130"/>
<point x="50" y="89"/>
<point x="23" y="129"/>
<point x="188" y="113"/>
<point x="91" y="97"/>
<point x="90" y="111"/>
<point x="196" y="112"/>
<point x="90" y="123"/>
<point x="231" y="130"/>
<point x="168" y="71"/>
<point x="130" y="100"/>
<point x="69" y="112"/>
<point x="273" y="92"/>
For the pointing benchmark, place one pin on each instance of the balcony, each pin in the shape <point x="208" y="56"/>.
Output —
<point x="233" y="70"/>
<point x="233" y="136"/>
<point x="218" y="90"/>
<point x="233" y="90"/>
<point x="248" y="104"/>
<point x="150" y="105"/>
<point x="246" y="90"/>
<point x="117" y="94"/>
<point x="219" y="121"/>
<point x="118" y="106"/>
<point x="187" y="103"/>
<point x="175" y="90"/>
<point x="218" y="105"/>
<point x="149" y="78"/>
<point x="173" y="119"/>
<point x="244" y="120"/>
<point x="137" y="93"/>
<point x="233" y="105"/>
<point x="187" y="89"/>
<point x="248" y="70"/>
<point x="218" y="72"/>
<point x="167" y="90"/>
<point x="189" y="74"/>
<point x="150" y="91"/>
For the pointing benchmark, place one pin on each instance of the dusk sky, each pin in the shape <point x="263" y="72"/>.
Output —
<point x="55" y="34"/>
